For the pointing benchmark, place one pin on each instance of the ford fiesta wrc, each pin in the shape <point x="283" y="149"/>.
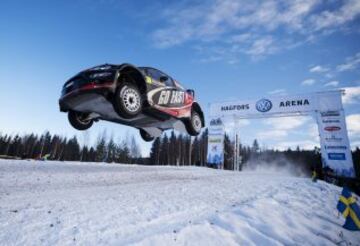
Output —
<point x="141" y="97"/>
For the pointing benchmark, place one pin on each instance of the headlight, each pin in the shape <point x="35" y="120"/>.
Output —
<point x="100" y="75"/>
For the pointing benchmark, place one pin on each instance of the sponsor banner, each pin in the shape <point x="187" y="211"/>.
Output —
<point x="215" y="154"/>
<point x="278" y="105"/>
<point x="332" y="128"/>
<point x="337" y="156"/>
<point x="335" y="146"/>
<point x="330" y="121"/>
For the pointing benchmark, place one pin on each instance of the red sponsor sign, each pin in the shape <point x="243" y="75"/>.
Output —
<point x="332" y="128"/>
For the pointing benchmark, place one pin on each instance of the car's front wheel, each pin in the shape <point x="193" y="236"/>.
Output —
<point x="80" y="121"/>
<point x="128" y="102"/>
<point x="194" y="124"/>
<point x="146" y="136"/>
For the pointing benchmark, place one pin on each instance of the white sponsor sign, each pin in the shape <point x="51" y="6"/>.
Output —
<point x="335" y="146"/>
<point x="215" y="155"/>
<point x="270" y="106"/>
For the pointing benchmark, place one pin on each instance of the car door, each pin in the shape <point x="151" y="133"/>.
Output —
<point x="167" y="94"/>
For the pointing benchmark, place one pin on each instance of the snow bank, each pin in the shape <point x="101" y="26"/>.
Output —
<point x="58" y="203"/>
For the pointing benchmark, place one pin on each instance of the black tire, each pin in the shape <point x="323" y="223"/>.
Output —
<point x="146" y="136"/>
<point x="77" y="121"/>
<point x="128" y="101"/>
<point x="194" y="124"/>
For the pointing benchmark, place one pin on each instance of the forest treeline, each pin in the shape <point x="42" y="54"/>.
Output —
<point x="55" y="147"/>
<point x="169" y="149"/>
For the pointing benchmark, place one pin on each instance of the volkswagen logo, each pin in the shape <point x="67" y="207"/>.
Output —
<point x="263" y="105"/>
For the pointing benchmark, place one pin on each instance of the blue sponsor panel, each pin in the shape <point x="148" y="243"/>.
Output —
<point x="216" y="159"/>
<point x="337" y="156"/>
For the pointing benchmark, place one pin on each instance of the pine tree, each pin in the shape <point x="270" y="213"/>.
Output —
<point x="85" y="154"/>
<point x="155" y="152"/>
<point x="73" y="150"/>
<point x="164" y="151"/>
<point x="172" y="149"/>
<point x="101" y="153"/>
<point x="228" y="153"/>
<point x="134" y="148"/>
<point x="255" y="146"/>
<point x="111" y="151"/>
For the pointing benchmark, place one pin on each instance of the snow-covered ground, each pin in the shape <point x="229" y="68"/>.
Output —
<point x="59" y="203"/>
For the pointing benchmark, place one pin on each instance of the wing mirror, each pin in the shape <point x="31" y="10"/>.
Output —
<point x="191" y="92"/>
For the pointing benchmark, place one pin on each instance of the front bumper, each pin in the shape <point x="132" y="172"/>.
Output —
<point x="84" y="98"/>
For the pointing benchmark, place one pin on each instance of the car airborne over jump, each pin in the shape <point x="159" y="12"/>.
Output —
<point x="141" y="97"/>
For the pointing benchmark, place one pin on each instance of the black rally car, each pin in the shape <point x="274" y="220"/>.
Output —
<point x="141" y="97"/>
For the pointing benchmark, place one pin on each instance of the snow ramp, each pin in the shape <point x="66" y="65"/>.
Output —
<point x="72" y="203"/>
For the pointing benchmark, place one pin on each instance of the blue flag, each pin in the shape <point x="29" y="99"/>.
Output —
<point x="349" y="209"/>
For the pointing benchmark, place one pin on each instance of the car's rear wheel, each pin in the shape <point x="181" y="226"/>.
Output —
<point x="128" y="101"/>
<point x="194" y="124"/>
<point x="80" y="121"/>
<point x="146" y="136"/>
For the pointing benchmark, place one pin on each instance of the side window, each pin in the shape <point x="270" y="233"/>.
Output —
<point x="152" y="73"/>
<point x="168" y="82"/>
<point x="157" y="75"/>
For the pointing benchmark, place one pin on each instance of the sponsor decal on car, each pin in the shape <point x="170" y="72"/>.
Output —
<point x="332" y="128"/>
<point x="330" y="113"/>
<point x="235" y="107"/>
<point x="171" y="97"/>
<point x="335" y="147"/>
<point x="148" y="79"/>
<point x="301" y="102"/>
<point x="337" y="156"/>
<point x="263" y="105"/>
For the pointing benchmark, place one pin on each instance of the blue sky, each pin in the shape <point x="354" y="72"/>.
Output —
<point x="223" y="49"/>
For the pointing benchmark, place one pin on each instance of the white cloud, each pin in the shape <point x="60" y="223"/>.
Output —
<point x="333" y="83"/>
<point x="352" y="95"/>
<point x="313" y="132"/>
<point x="318" y="69"/>
<point x="355" y="144"/>
<point x="261" y="46"/>
<point x="308" y="82"/>
<point x="238" y="123"/>
<point x="271" y="134"/>
<point x="278" y="92"/>
<point x="286" y="123"/>
<point x="330" y="19"/>
<point x="353" y="124"/>
<point x="351" y="63"/>
<point x="248" y="27"/>
<point x="279" y="127"/>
